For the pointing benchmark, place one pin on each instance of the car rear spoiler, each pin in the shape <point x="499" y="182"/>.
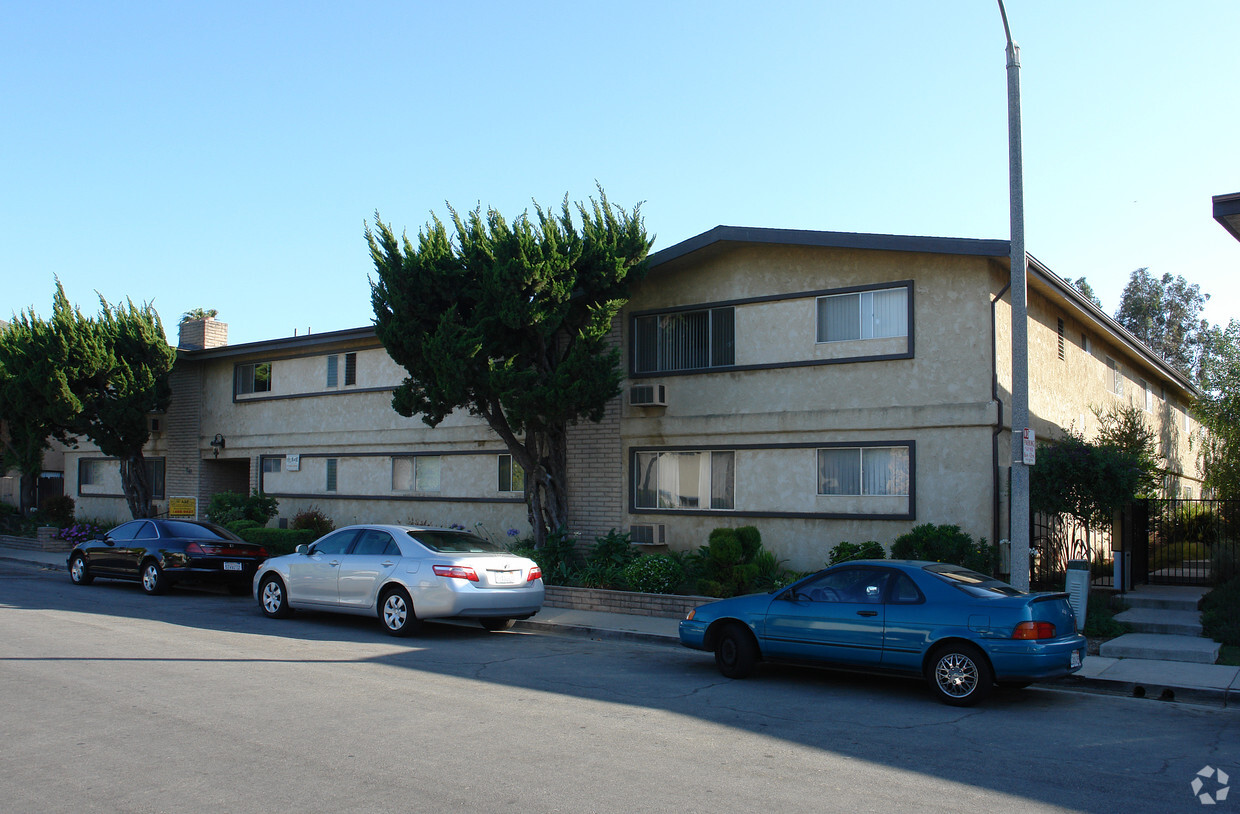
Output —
<point x="1049" y="597"/>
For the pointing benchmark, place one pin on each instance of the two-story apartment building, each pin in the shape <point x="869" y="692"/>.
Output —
<point x="823" y="386"/>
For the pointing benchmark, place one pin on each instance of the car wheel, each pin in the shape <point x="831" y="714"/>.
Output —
<point x="79" y="571"/>
<point x="960" y="675"/>
<point x="736" y="652"/>
<point x="496" y="623"/>
<point x="396" y="613"/>
<point x="153" y="579"/>
<point x="273" y="598"/>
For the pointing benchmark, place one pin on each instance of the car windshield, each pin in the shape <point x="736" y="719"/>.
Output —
<point x="199" y="531"/>
<point x="455" y="542"/>
<point x="971" y="582"/>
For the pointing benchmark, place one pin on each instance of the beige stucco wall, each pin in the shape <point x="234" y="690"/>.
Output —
<point x="939" y="399"/>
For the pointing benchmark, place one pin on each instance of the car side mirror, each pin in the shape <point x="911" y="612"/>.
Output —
<point x="789" y="595"/>
<point x="303" y="549"/>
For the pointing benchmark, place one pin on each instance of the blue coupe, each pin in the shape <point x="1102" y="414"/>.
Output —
<point x="961" y="630"/>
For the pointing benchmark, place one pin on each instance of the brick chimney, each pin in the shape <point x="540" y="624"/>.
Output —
<point x="201" y="334"/>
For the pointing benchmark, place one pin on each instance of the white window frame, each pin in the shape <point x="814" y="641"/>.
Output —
<point x="1116" y="373"/>
<point x="425" y="473"/>
<point x="511" y="475"/>
<point x="715" y="466"/>
<point x="1149" y="396"/>
<point x="862" y="488"/>
<point x="868" y="326"/>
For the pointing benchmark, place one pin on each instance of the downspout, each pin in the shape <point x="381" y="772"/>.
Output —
<point x="994" y="437"/>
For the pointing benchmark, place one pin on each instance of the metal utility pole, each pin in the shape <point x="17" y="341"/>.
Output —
<point x="1020" y="324"/>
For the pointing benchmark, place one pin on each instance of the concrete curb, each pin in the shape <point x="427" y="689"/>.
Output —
<point x="596" y="633"/>
<point x="1202" y="696"/>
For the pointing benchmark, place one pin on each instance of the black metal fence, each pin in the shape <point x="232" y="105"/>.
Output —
<point x="1056" y="539"/>
<point x="1187" y="542"/>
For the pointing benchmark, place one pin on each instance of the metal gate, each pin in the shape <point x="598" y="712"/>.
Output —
<point x="1183" y="542"/>
<point x="1054" y="540"/>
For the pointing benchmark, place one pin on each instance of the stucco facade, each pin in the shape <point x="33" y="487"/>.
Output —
<point x="821" y="386"/>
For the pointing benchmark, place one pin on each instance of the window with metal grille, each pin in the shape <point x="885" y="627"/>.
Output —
<point x="331" y="475"/>
<point x="1061" y="340"/>
<point x="684" y="340"/>
<point x="332" y="365"/>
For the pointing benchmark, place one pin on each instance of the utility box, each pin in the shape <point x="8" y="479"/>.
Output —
<point x="1078" y="590"/>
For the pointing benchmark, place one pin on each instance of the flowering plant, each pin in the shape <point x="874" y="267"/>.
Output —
<point x="80" y="532"/>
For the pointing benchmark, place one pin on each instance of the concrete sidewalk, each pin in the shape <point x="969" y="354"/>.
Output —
<point x="1210" y="684"/>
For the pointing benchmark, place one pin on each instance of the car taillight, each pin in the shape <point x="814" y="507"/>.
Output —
<point x="1034" y="630"/>
<point x="535" y="573"/>
<point x="455" y="572"/>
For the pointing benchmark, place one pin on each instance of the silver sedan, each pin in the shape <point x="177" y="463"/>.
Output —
<point x="403" y="575"/>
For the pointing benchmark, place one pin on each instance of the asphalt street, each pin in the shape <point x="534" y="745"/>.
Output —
<point x="194" y="701"/>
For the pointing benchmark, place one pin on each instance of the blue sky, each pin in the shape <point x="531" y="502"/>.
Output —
<point x="228" y="155"/>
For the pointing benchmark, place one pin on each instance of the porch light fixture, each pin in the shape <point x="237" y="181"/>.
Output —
<point x="217" y="443"/>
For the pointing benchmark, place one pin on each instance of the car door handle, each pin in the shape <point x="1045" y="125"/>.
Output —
<point x="387" y="563"/>
<point x="867" y="613"/>
<point x="334" y="563"/>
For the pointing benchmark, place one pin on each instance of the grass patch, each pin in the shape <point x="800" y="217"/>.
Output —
<point x="1229" y="654"/>
<point x="1220" y="613"/>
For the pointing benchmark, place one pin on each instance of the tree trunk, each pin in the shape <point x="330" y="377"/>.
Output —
<point x="546" y="487"/>
<point x="29" y="492"/>
<point x="136" y="485"/>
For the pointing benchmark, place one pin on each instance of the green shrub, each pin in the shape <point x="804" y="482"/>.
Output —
<point x="1220" y="613"/>
<point x="276" y="541"/>
<point x="943" y="544"/>
<point x="845" y="551"/>
<point x="1100" y="617"/>
<point x="228" y="507"/>
<point x="58" y="511"/>
<point x="733" y="562"/>
<point x="1193" y="523"/>
<point x="7" y="509"/>
<point x="599" y="574"/>
<point x="612" y="549"/>
<point x="314" y="520"/>
<point x="751" y="542"/>
<point x="557" y="558"/>
<point x="1224" y="564"/>
<point x="1174" y="555"/>
<point x="654" y="574"/>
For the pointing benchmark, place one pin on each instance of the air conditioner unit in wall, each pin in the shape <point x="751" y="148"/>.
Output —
<point x="648" y="395"/>
<point x="648" y="533"/>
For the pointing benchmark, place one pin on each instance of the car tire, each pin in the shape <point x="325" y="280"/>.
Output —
<point x="396" y="613"/>
<point x="79" y="570"/>
<point x="273" y="598"/>
<point x="152" y="577"/>
<point x="736" y="652"/>
<point x="496" y="623"/>
<point x="959" y="675"/>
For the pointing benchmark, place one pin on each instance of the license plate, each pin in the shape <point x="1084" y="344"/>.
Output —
<point x="1076" y="658"/>
<point x="232" y="566"/>
<point x="506" y="577"/>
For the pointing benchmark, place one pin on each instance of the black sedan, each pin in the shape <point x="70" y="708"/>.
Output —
<point x="159" y="553"/>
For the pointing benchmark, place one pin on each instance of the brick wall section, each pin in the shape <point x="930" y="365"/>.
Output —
<point x="182" y="424"/>
<point x="667" y="606"/>
<point x="199" y="334"/>
<point x="595" y="474"/>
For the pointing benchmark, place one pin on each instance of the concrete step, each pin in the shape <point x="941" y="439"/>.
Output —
<point x="1167" y="597"/>
<point x="1161" y="646"/>
<point x="1158" y="620"/>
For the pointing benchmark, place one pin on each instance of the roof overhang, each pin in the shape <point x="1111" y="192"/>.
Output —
<point x="1227" y="212"/>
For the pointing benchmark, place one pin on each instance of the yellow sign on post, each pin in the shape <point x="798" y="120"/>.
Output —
<point x="183" y="507"/>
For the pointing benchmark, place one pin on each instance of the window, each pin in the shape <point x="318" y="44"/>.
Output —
<point x="1149" y="396"/>
<point x="155" y="477"/>
<point x="273" y="465"/>
<point x="511" y="475"/>
<point x="89" y="474"/>
<point x="255" y="378"/>
<point x="332" y="365"/>
<point x="376" y="543"/>
<point x="1085" y="345"/>
<point x="684" y="340"/>
<point x="863" y="471"/>
<point x="1060" y="340"/>
<point x="854" y="585"/>
<point x="685" y="480"/>
<point x="350" y="369"/>
<point x="416" y="474"/>
<point x="331" y="475"/>
<point x="1117" y="377"/>
<point x="864" y="315"/>
<point x="336" y="543"/>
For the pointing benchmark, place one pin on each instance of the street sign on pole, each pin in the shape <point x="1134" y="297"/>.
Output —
<point x="1030" y="447"/>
